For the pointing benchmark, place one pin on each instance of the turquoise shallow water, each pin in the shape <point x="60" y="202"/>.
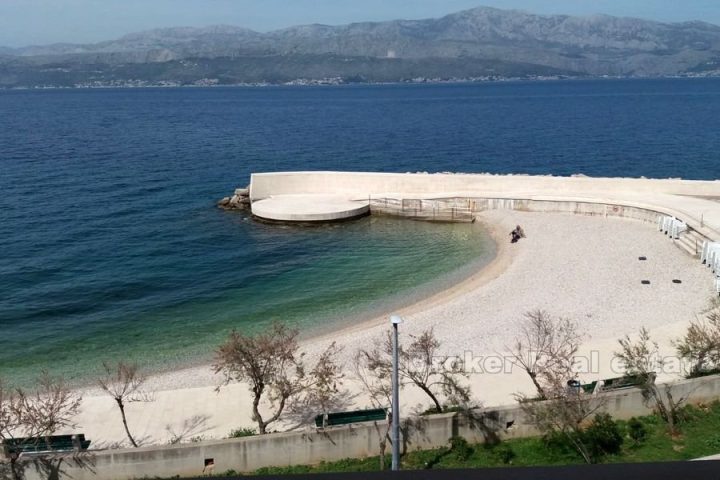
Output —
<point x="316" y="278"/>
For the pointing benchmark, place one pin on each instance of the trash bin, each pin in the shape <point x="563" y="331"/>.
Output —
<point x="574" y="387"/>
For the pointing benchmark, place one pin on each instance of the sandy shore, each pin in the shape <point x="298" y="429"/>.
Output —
<point x="584" y="268"/>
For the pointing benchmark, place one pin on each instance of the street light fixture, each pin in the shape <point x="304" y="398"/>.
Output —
<point x="395" y="438"/>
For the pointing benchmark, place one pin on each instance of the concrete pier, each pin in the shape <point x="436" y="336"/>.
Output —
<point x="697" y="203"/>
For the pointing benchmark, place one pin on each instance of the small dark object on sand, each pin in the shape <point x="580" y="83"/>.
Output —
<point x="677" y="281"/>
<point x="645" y="282"/>
<point x="517" y="234"/>
<point x="642" y="258"/>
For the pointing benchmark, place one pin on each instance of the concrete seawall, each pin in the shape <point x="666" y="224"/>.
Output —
<point x="312" y="446"/>
<point x="695" y="202"/>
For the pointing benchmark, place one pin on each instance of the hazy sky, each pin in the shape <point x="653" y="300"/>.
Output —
<point x="25" y="22"/>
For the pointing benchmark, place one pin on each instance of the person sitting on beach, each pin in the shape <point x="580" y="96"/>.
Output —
<point x="517" y="234"/>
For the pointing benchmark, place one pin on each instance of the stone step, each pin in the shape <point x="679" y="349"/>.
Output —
<point x="695" y="236"/>
<point x="687" y="245"/>
<point x="691" y="242"/>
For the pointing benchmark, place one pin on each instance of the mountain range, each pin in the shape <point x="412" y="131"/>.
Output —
<point x="477" y="43"/>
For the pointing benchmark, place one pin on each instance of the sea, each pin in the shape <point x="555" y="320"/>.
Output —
<point x="112" y="248"/>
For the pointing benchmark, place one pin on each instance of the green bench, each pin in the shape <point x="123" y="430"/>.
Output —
<point x="51" y="444"/>
<point x="589" y="387"/>
<point x="345" y="418"/>
<point x="628" y="381"/>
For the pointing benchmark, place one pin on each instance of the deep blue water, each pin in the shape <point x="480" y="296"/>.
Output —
<point x="111" y="247"/>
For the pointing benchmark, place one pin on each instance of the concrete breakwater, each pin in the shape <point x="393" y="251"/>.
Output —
<point x="306" y="196"/>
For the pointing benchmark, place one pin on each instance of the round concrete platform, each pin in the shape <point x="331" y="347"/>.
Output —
<point x="308" y="208"/>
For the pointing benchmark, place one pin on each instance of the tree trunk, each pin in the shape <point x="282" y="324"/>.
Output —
<point x="580" y="447"/>
<point x="16" y="474"/>
<point x="262" y="425"/>
<point x="121" y="405"/>
<point x="666" y="412"/>
<point x="432" y="396"/>
<point x="541" y="392"/>
<point x="382" y="455"/>
<point x="382" y="443"/>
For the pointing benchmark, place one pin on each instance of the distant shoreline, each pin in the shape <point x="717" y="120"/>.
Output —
<point x="339" y="82"/>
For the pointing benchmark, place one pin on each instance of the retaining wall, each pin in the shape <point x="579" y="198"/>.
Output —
<point x="312" y="446"/>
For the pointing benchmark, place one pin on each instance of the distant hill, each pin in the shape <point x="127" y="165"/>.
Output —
<point x="482" y="42"/>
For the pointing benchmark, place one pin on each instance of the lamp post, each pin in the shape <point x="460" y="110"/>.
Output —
<point x="395" y="437"/>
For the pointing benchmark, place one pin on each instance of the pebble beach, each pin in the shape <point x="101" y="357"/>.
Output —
<point x="583" y="268"/>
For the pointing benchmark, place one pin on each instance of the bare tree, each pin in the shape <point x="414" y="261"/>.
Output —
<point x="10" y="420"/>
<point x="124" y="382"/>
<point x="324" y="391"/>
<point x="48" y="408"/>
<point x="9" y="425"/>
<point x="564" y="414"/>
<point x="642" y="360"/>
<point x="545" y="350"/>
<point x="701" y="344"/>
<point x="272" y="365"/>
<point x="36" y="414"/>
<point x="421" y="364"/>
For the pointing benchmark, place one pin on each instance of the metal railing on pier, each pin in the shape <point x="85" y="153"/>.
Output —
<point x="432" y="210"/>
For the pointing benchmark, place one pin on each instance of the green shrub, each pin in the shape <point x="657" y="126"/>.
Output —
<point x="460" y="448"/>
<point x="559" y="443"/>
<point x="603" y="436"/>
<point x="636" y="431"/>
<point x="292" y="470"/>
<point x="713" y="442"/>
<point x="242" y="432"/>
<point x="504" y="452"/>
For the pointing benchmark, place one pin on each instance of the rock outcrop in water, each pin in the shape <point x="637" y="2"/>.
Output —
<point x="239" y="201"/>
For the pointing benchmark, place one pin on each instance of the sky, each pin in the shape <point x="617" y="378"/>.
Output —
<point x="36" y="22"/>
